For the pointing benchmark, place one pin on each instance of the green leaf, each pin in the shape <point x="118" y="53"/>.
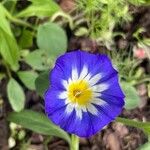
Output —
<point x="9" y="49"/>
<point x="42" y="83"/>
<point x="145" y="126"/>
<point x="40" y="8"/>
<point x="4" y="24"/>
<point x="26" y="39"/>
<point x="28" y="78"/>
<point x="132" y="99"/>
<point x="37" y="122"/>
<point x="137" y="2"/>
<point x="8" y="46"/>
<point x="145" y="146"/>
<point x="52" y="39"/>
<point x="15" y="95"/>
<point x="37" y="60"/>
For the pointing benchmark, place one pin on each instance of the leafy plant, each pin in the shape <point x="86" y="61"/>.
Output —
<point x="102" y="16"/>
<point x="13" y="52"/>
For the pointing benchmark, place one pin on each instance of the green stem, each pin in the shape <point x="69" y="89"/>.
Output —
<point x="74" y="142"/>
<point x="18" y="21"/>
<point x="7" y="69"/>
<point x="137" y="124"/>
<point x="147" y="79"/>
<point x="13" y="7"/>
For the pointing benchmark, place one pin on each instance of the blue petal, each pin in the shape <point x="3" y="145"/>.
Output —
<point x="64" y="64"/>
<point x="52" y="102"/>
<point x="114" y="87"/>
<point x="89" y="125"/>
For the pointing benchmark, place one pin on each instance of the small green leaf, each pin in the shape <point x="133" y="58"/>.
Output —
<point x="4" y="23"/>
<point x="28" y="78"/>
<point x="52" y="39"/>
<point x="40" y="8"/>
<point x="146" y="146"/>
<point x="15" y="95"/>
<point x="132" y="99"/>
<point x="37" y="60"/>
<point x="37" y="122"/>
<point x="42" y="83"/>
<point x="9" y="49"/>
<point x="26" y="39"/>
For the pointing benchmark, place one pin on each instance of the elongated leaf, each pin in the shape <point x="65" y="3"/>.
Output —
<point x="9" y="49"/>
<point x="132" y="98"/>
<point x="145" y="126"/>
<point x="37" y="122"/>
<point x="52" y="39"/>
<point x="138" y="2"/>
<point x="15" y="95"/>
<point x="28" y="78"/>
<point x="42" y="83"/>
<point x="4" y="23"/>
<point x="41" y="8"/>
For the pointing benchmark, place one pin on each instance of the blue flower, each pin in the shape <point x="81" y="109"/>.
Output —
<point x="84" y="93"/>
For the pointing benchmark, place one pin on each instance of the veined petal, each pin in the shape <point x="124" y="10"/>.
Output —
<point x="65" y="84"/>
<point x="83" y="73"/>
<point x="96" y="94"/>
<point x="63" y="95"/>
<point x="92" y="109"/>
<point x="74" y="74"/>
<point x="100" y="87"/>
<point x="98" y="101"/>
<point x="69" y="108"/>
<point x="95" y="79"/>
<point x="87" y="78"/>
<point x="78" y="112"/>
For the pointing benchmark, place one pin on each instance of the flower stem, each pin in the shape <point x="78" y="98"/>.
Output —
<point x="74" y="142"/>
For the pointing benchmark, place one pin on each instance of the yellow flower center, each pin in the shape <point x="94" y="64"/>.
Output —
<point x="79" y="92"/>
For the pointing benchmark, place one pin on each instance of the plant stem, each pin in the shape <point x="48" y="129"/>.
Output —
<point x="7" y="69"/>
<point x="74" y="142"/>
<point x="137" y="124"/>
<point x="18" y="21"/>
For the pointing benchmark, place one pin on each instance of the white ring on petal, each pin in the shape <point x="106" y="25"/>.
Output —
<point x="96" y="94"/>
<point x="69" y="108"/>
<point x="67" y="101"/>
<point x="99" y="102"/>
<point x="92" y="109"/>
<point x="83" y="73"/>
<point x="95" y="79"/>
<point x="74" y="74"/>
<point x="87" y="78"/>
<point x="63" y="95"/>
<point x="78" y="112"/>
<point x="100" y="87"/>
<point x="65" y="84"/>
<point x="83" y="108"/>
